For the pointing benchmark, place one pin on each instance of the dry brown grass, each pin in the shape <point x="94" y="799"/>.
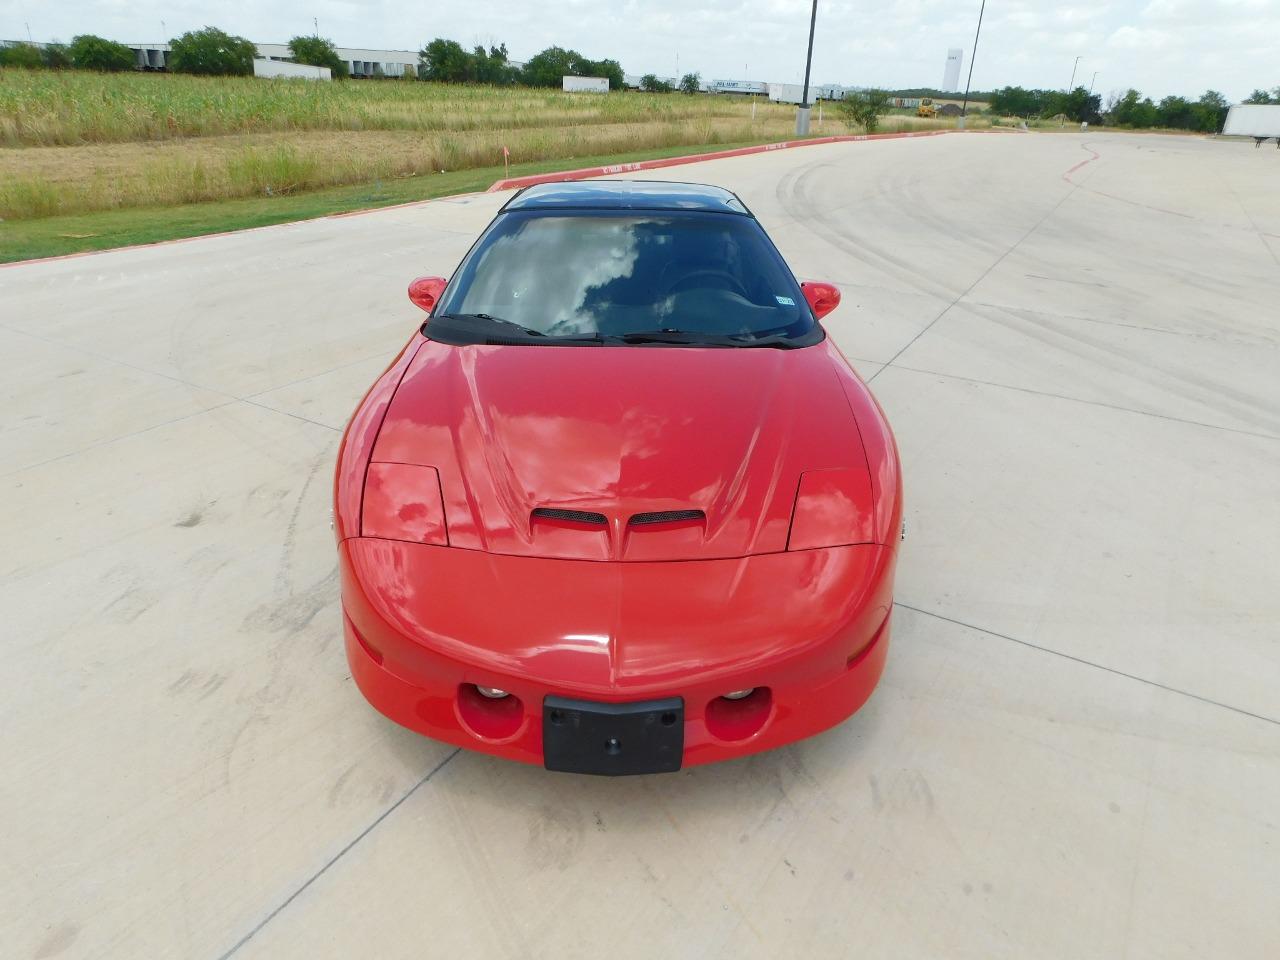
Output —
<point x="56" y="180"/>
<point x="79" y="142"/>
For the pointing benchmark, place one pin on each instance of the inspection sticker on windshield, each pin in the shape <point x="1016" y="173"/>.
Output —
<point x="785" y="301"/>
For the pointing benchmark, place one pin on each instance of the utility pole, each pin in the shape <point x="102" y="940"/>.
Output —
<point x="316" y="24"/>
<point x="964" y="109"/>
<point x="28" y="26"/>
<point x="802" y="112"/>
<point x="1072" y="85"/>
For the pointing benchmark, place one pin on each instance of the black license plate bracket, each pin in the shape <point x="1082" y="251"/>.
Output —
<point x="612" y="739"/>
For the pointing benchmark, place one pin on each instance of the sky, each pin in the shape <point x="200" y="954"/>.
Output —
<point x="1157" y="46"/>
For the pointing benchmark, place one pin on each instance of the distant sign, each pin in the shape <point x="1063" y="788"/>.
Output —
<point x="738" y="86"/>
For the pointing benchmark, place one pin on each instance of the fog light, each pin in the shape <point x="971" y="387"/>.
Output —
<point x="493" y="693"/>
<point x="740" y="694"/>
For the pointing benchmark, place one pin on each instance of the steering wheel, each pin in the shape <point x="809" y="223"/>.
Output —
<point x="729" y="281"/>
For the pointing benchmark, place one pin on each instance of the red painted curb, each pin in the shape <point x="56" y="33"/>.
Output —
<point x="515" y="183"/>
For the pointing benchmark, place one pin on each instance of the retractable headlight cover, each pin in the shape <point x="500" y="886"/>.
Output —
<point x="402" y="501"/>
<point x="833" y="508"/>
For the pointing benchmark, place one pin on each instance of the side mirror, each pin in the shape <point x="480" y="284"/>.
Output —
<point x="425" y="291"/>
<point x="822" y="297"/>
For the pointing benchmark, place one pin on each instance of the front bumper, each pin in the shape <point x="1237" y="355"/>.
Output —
<point x="809" y="630"/>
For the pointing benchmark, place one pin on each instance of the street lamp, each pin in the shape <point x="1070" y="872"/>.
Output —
<point x="1072" y="85"/>
<point x="964" y="109"/>
<point x="802" y="112"/>
<point x="1091" y="82"/>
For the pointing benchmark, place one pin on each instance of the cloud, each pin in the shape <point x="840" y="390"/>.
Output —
<point x="1157" y="46"/>
<point x="1138" y="38"/>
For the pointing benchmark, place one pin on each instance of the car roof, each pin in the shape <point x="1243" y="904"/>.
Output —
<point x="627" y="195"/>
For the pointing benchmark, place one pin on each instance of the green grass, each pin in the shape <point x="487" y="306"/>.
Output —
<point x="55" y="236"/>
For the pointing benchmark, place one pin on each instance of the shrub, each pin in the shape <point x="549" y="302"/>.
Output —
<point x="547" y="67"/>
<point x="690" y="83"/>
<point x="56" y="56"/>
<point x="864" y="108"/>
<point x="212" y="52"/>
<point x="318" y="52"/>
<point x="445" y="61"/>
<point x="650" y="83"/>
<point x="89" y="52"/>
<point x="21" y="55"/>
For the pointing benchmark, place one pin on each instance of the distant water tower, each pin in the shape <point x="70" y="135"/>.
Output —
<point x="951" y="79"/>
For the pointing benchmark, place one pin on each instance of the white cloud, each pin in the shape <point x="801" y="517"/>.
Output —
<point x="1138" y="38"/>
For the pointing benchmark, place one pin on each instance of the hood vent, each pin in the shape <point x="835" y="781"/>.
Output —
<point x="666" y="516"/>
<point x="572" y="516"/>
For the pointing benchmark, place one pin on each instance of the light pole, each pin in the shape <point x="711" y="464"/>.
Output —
<point x="964" y="109"/>
<point x="802" y="112"/>
<point x="1072" y="85"/>
<point x="1091" y="82"/>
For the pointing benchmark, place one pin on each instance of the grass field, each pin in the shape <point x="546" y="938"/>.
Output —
<point x="76" y="144"/>
<point x="77" y="233"/>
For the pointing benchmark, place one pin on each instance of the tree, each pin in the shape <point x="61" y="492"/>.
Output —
<point x="1078" y="105"/>
<point x="1133" y="110"/>
<point x="864" y="108"/>
<point x="56" y="57"/>
<point x="545" y="68"/>
<point x="1262" y="96"/>
<point x="89" y="52"/>
<point x="612" y="71"/>
<point x="21" y="55"/>
<point x="690" y="83"/>
<point x="1175" y="113"/>
<point x="650" y="83"/>
<point x="1209" y="112"/>
<point x="1016" y="102"/>
<point x="318" y="52"/>
<point x="445" y="61"/>
<point x="212" y="52"/>
<point x="491" y="66"/>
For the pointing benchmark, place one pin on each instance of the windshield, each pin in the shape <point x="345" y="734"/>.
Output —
<point x="668" y="277"/>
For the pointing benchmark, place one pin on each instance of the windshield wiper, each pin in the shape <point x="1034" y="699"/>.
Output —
<point x="671" y="335"/>
<point x="489" y="318"/>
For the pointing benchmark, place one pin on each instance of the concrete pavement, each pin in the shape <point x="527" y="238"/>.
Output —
<point x="1075" y="751"/>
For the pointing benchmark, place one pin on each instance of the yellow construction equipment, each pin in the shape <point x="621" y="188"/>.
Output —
<point x="926" y="109"/>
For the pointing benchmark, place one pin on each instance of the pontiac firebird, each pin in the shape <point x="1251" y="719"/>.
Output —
<point x="620" y="505"/>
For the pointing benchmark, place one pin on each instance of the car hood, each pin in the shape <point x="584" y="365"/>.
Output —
<point x="559" y="451"/>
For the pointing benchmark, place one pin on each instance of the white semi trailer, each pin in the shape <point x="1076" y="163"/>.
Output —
<point x="1258" y="120"/>
<point x="585" y="84"/>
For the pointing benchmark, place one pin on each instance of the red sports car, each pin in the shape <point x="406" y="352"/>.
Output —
<point x="620" y="506"/>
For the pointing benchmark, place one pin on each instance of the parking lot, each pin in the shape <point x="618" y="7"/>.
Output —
<point x="1074" y="753"/>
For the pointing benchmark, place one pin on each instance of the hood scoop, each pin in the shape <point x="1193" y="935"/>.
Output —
<point x="666" y="516"/>
<point x="570" y="516"/>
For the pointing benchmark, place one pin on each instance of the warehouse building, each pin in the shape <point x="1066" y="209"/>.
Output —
<point x="360" y="62"/>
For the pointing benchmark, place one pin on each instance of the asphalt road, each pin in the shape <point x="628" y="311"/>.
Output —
<point x="1075" y="751"/>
